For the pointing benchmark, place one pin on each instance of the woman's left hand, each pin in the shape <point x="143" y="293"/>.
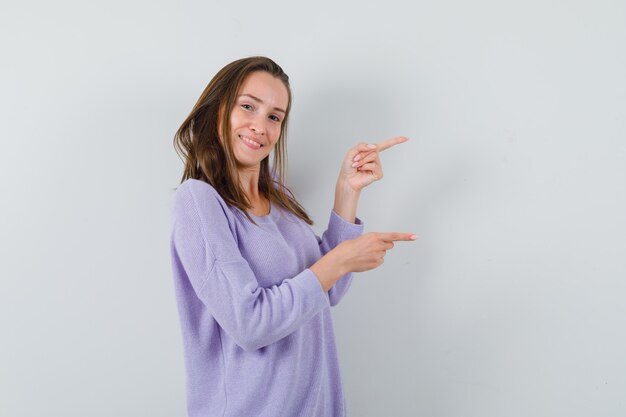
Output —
<point x="362" y="166"/>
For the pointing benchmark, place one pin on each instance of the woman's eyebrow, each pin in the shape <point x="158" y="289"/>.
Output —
<point x="261" y="101"/>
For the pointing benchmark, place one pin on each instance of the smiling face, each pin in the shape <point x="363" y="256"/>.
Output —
<point x="256" y="118"/>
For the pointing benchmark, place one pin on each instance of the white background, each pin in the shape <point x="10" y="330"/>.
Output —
<point x="511" y="303"/>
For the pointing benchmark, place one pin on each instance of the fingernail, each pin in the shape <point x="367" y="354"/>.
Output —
<point x="356" y="158"/>
<point x="371" y="146"/>
<point x="413" y="237"/>
<point x="354" y="164"/>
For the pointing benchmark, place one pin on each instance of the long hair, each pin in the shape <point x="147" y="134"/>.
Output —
<point x="211" y="160"/>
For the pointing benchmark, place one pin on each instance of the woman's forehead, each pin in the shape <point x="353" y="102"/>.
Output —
<point x="265" y="88"/>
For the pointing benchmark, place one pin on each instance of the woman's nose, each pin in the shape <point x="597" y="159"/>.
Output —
<point x="257" y="125"/>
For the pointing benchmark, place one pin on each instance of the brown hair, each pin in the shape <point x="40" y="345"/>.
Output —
<point x="208" y="159"/>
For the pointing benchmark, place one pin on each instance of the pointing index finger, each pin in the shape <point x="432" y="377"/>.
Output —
<point x="391" y="142"/>
<point x="393" y="237"/>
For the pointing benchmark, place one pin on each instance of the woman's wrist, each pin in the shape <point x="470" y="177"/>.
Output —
<point x="346" y="201"/>
<point x="328" y="269"/>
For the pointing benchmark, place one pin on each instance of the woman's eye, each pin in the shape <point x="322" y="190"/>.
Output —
<point x="275" y="118"/>
<point x="246" y="106"/>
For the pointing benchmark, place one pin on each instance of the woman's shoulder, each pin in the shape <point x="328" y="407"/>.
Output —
<point x="194" y="186"/>
<point x="200" y="194"/>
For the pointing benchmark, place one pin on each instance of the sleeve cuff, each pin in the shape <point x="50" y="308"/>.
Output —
<point x="312" y="287"/>
<point x="343" y="229"/>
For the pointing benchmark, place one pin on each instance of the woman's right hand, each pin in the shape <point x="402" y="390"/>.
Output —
<point x="356" y="255"/>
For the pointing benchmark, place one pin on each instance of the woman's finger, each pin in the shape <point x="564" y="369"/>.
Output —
<point x="366" y="148"/>
<point x="392" y="236"/>
<point x="362" y="149"/>
<point x="388" y="245"/>
<point x="372" y="166"/>
<point x="390" y="142"/>
<point x="365" y="158"/>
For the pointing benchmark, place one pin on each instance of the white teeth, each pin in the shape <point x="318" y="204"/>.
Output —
<point x="258" y="145"/>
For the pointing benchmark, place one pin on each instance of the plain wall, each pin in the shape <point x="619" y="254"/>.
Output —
<point x="511" y="303"/>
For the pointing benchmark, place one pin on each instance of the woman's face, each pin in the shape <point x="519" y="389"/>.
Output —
<point x="256" y="118"/>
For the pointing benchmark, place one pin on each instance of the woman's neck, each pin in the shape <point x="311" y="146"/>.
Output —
<point x="249" y="179"/>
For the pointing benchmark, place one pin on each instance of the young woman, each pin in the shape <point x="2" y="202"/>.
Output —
<point x="254" y="284"/>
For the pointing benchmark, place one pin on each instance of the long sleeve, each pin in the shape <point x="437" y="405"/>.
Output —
<point x="205" y="247"/>
<point x="339" y="230"/>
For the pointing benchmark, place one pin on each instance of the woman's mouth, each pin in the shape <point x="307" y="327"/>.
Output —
<point x="252" y="144"/>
